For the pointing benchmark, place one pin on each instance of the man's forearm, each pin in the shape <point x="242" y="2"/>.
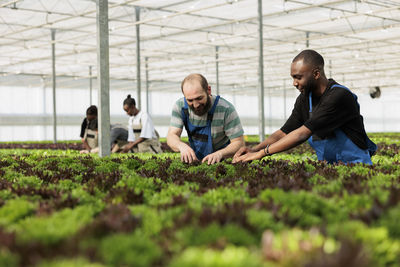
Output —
<point x="174" y="142"/>
<point x="275" y="137"/>
<point x="232" y="148"/>
<point x="291" y="140"/>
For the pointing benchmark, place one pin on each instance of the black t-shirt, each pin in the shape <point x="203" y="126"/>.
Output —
<point x="83" y="127"/>
<point x="336" y="108"/>
<point x="92" y="125"/>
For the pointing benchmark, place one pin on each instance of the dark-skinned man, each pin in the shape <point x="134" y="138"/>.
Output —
<point x="212" y="123"/>
<point x="326" y="114"/>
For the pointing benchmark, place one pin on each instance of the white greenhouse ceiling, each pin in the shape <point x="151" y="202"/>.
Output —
<point x="360" y="41"/>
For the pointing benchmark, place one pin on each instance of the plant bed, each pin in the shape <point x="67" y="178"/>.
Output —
<point x="60" y="208"/>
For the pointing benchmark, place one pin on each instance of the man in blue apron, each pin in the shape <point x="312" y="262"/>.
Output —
<point x="326" y="114"/>
<point x="213" y="126"/>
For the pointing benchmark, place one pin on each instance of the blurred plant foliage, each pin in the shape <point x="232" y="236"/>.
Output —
<point x="61" y="208"/>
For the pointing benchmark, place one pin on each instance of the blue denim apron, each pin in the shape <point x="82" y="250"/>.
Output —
<point x="340" y="147"/>
<point x="200" y="136"/>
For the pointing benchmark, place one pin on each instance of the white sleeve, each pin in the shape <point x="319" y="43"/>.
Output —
<point x="131" y="135"/>
<point x="147" y="126"/>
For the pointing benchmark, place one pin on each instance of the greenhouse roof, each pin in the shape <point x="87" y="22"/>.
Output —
<point x="360" y="41"/>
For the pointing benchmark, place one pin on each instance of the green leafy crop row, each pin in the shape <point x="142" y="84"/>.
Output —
<point x="60" y="208"/>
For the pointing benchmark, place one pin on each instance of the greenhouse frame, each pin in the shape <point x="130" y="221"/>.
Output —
<point x="154" y="44"/>
<point x="286" y="168"/>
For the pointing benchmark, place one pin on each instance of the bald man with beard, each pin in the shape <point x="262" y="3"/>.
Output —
<point x="212" y="123"/>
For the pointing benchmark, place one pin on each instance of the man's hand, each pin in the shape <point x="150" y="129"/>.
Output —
<point x="175" y="143"/>
<point x="187" y="153"/>
<point x="242" y="151"/>
<point x="249" y="156"/>
<point x="213" y="158"/>
<point x="85" y="151"/>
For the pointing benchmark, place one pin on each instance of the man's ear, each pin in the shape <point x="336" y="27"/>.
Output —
<point x="209" y="90"/>
<point x="317" y="73"/>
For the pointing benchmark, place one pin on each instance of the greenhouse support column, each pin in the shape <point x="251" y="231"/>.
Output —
<point x="43" y="80"/>
<point x="146" y="59"/>
<point x="217" y="68"/>
<point x="90" y="85"/>
<point x="138" y="102"/>
<point x="261" y="127"/>
<point x="270" y="109"/>
<point x="53" y="67"/>
<point x="103" y="77"/>
<point x="284" y="99"/>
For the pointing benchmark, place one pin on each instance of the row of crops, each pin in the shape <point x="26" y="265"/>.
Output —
<point x="60" y="208"/>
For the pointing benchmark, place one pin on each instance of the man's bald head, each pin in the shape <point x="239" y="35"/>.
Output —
<point x="196" y="77"/>
<point x="311" y="58"/>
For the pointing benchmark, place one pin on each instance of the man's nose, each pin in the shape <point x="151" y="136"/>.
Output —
<point x="196" y="104"/>
<point x="295" y="83"/>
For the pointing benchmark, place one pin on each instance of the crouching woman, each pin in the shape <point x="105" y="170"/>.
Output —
<point x="142" y="136"/>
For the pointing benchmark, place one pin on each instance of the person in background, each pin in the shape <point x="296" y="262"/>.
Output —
<point x="326" y="114"/>
<point x="119" y="137"/>
<point x="89" y="133"/>
<point x="212" y="124"/>
<point x="142" y="136"/>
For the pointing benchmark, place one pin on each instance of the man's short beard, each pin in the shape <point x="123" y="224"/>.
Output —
<point x="310" y="86"/>
<point x="205" y="108"/>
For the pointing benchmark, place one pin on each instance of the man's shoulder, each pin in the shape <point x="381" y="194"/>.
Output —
<point x="177" y="108"/>
<point x="339" y="91"/>
<point x="224" y="104"/>
<point x="337" y="88"/>
<point x="179" y="103"/>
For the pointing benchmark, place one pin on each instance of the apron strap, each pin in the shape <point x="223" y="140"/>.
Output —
<point x="310" y="102"/>
<point x="211" y="112"/>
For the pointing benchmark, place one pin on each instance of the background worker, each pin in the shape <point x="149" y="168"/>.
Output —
<point x="142" y="136"/>
<point x="89" y="133"/>
<point x="118" y="137"/>
<point x="212" y="124"/>
<point x="326" y="114"/>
